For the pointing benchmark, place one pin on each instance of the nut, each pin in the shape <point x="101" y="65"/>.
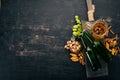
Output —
<point x="73" y="46"/>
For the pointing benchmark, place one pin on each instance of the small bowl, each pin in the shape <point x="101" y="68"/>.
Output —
<point x="99" y="29"/>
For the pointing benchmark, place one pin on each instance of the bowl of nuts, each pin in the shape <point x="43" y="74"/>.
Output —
<point x="99" y="29"/>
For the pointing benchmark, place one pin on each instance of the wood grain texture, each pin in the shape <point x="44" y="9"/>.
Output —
<point x="34" y="32"/>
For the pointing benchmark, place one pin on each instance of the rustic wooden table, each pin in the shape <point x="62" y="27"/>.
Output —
<point x="33" y="33"/>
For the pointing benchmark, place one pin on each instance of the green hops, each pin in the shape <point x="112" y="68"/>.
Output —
<point x="80" y="30"/>
<point x="77" y="19"/>
<point x="77" y="29"/>
<point x="74" y="30"/>
<point x="76" y="33"/>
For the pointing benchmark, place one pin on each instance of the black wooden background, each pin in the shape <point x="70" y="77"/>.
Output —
<point x="34" y="32"/>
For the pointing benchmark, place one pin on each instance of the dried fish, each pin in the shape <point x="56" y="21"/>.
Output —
<point x="74" y="59"/>
<point x="73" y="55"/>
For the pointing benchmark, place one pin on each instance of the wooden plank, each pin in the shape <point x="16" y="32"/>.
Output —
<point x="89" y="4"/>
<point x="91" y="10"/>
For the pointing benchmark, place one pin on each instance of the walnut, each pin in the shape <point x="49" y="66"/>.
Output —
<point x="73" y="46"/>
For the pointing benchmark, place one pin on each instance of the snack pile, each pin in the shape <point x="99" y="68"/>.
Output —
<point x="93" y="42"/>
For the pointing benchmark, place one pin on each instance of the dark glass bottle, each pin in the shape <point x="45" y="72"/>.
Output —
<point x="98" y="47"/>
<point x="94" y="62"/>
